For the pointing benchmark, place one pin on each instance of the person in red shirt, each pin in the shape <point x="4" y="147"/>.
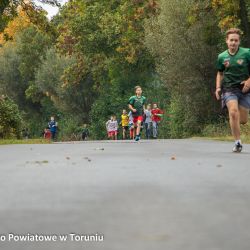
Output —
<point x="156" y="118"/>
<point x="47" y="134"/>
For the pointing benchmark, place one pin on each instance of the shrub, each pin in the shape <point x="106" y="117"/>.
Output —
<point x="10" y="119"/>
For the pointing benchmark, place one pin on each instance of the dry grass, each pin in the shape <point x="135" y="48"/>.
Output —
<point x="25" y="141"/>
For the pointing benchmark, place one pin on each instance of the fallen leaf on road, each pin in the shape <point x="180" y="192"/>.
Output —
<point x="173" y="158"/>
<point x="87" y="158"/>
<point x="219" y="166"/>
<point x="68" y="158"/>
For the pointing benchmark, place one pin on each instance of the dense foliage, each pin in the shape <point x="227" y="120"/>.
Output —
<point x="10" y="119"/>
<point x="82" y="65"/>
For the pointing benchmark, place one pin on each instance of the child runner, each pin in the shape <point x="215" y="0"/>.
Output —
<point x="47" y="133"/>
<point x="233" y="83"/>
<point x="156" y="118"/>
<point x="136" y="104"/>
<point x="124" y="123"/>
<point x="85" y="132"/>
<point x="148" y="121"/>
<point x="112" y="127"/>
<point x="52" y="124"/>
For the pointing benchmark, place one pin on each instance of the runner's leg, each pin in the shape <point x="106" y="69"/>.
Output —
<point x="146" y="128"/>
<point x="234" y="118"/>
<point x="138" y="129"/>
<point x="123" y="133"/>
<point x="154" y="129"/>
<point x="243" y="114"/>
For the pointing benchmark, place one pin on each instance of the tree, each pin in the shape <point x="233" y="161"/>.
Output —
<point x="18" y="24"/>
<point x="74" y="99"/>
<point x="107" y="37"/>
<point x="20" y="61"/>
<point x="233" y="13"/>
<point x="10" y="118"/>
<point x="186" y="52"/>
<point x="19" y="13"/>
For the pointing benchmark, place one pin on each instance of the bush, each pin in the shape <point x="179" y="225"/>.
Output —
<point x="10" y="119"/>
<point x="69" y="129"/>
<point x="216" y="130"/>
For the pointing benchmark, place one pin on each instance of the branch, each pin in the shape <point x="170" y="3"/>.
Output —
<point x="51" y="2"/>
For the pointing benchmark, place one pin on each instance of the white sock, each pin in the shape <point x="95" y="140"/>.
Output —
<point x="238" y="141"/>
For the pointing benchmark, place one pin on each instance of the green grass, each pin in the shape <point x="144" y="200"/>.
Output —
<point x="223" y="133"/>
<point x="245" y="139"/>
<point x="24" y="141"/>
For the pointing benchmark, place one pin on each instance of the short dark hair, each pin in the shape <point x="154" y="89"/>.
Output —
<point x="233" y="31"/>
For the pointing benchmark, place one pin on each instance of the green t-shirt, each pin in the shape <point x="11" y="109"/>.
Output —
<point x="235" y="68"/>
<point x="137" y="103"/>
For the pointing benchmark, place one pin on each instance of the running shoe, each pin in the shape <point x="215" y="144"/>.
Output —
<point x="137" y="138"/>
<point x="237" y="148"/>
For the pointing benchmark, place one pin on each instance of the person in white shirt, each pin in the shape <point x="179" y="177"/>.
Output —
<point x="112" y="127"/>
<point x="148" y="121"/>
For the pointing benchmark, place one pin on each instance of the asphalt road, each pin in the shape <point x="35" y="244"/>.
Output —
<point x="151" y="195"/>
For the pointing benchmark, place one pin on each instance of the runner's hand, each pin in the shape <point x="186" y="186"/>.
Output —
<point x="218" y="93"/>
<point x="134" y="110"/>
<point x="246" y="86"/>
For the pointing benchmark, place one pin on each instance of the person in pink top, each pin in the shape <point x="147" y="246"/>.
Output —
<point x="112" y="127"/>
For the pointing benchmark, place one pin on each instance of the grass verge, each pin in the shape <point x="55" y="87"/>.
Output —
<point x="221" y="132"/>
<point x="24" y="141"/>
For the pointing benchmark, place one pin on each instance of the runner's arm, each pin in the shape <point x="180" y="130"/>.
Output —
<point x="246" y="83"/>
<point x="219" y="78"/>
<point x="161" y="111"/>
<point x="246" y="86"/>
<point x="131" y="108"/>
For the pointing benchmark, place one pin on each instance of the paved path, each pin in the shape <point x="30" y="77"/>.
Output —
<point x="152" y="195"/>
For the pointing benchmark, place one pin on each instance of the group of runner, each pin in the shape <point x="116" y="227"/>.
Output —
<point x="138" y="117"/>
<point x="232" y="88"/>
<point x="51" y="130"/>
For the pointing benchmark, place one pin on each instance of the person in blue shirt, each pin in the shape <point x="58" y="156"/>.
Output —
<point x="52" y="124"/>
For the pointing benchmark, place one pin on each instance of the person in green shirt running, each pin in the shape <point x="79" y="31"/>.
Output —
<point x="233" y="83"/>
<point x="136" y="104"/>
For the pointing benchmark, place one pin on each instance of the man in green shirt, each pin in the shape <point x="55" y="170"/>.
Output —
<point x="233" y="83"/>
<point x="136" y="104"/>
